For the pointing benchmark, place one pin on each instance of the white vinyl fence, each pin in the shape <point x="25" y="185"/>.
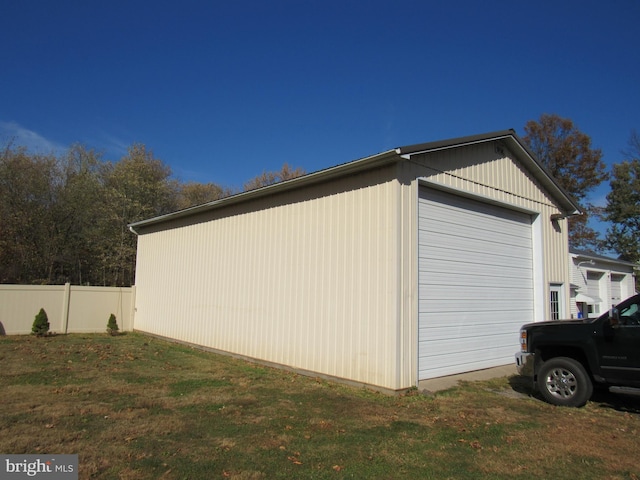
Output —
<point x="70" y="308"/>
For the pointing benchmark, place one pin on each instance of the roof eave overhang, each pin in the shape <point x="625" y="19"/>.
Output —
<point x="567" y="205"/>
<point x="601" y="259"/>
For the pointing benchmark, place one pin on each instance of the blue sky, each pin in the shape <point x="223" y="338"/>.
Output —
<point x="222" y="91"/>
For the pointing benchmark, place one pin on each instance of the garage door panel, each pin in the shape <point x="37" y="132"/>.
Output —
<point x="507" y="276"/>
<point x="469" y="330"/>
<point x="460" y="215"/>
<point x="475" y="283"/>
<point x="455" y="203"/>
<point x="444" y="363"/>
<point x="462" y="345"/>
<point x="462" y="244"/>
<point x="474" y="313"/>
<point x="469" y="228"/>
<point x="472" y="295"/>
<point x="496" y="306"/>
<point x="469" y="224"/>
<point x="470" y="287"/>
<point x="616" y="288"/>
<point x="441" y="241"/>
<point x="471" y="353"/>
<point x="459" y="364"/>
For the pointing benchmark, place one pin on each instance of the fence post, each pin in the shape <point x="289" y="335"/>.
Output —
<point x="132" y="313"/>
<point x="65" y="307"/>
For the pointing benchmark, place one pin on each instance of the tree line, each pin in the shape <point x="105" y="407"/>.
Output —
<point x="64" y="218"/>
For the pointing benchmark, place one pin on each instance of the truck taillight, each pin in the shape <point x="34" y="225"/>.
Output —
<point x="523" y="340"/>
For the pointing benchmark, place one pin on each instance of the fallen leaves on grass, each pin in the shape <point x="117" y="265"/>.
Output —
<point x="474" y="444"/>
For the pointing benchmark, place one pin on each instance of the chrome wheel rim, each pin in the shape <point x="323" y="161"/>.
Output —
<point x="561" y="383"/>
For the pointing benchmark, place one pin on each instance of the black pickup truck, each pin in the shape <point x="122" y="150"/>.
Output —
<point x="566" y="359"/>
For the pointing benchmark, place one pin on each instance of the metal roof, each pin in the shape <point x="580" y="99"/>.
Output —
<point x="509" y="137"/>
<point x="517" y="146"/>
<point x="454" y="142"/>
<point x="601" y="258"/>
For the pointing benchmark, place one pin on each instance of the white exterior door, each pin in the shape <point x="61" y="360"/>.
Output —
<point x="475" y="283"/>
<point x="556" y="302"/>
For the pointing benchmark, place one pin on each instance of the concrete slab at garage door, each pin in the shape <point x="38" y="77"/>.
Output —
<point x="475" y="283"/>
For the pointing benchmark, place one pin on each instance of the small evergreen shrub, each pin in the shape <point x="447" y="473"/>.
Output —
<point x="40" y="325"/>
<point x="112" y="325"/>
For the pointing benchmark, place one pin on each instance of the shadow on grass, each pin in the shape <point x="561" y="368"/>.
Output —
<point x="522" y="385"/>
<point x="619" y="399"/>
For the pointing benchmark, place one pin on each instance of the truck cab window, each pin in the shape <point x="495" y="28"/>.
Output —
<point x="630" y="315"/>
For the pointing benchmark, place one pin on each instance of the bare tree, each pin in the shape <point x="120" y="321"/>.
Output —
<point x="269" y="178"/>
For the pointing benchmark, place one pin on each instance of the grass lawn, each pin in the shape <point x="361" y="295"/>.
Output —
<point x="135" y="407"/>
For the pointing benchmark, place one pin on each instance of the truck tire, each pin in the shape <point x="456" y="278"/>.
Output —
<point x="564" y="381"/>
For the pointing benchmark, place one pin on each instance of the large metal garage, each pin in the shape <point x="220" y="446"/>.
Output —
<point x="411" y="264"/>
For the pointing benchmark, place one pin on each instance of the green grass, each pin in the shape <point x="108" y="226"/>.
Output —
<point x="185" y="387"/>
<point x="135" y="407"/>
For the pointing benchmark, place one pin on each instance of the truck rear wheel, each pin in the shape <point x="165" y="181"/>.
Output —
<point x="564" y="381"/>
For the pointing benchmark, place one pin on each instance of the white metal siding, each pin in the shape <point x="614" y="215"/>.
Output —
<point x="305" y="280"/>
<point x="491" y="171"/>
<point x="475" y="283"/>
<point x="324" y="278"/>
<point x="606" y="281"/>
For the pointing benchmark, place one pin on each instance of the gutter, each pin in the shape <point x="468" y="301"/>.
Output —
<point x="601" y="259"/>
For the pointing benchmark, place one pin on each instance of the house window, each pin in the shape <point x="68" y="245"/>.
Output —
<point x="556" y="302"/>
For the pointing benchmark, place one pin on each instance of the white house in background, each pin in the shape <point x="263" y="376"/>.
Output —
<point x="415" y="263"/>
<point x="598" y="283"/>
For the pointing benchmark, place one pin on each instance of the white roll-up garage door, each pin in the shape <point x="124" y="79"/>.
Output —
<point x="616" y="288"/>
<point x="475" y="283"/>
